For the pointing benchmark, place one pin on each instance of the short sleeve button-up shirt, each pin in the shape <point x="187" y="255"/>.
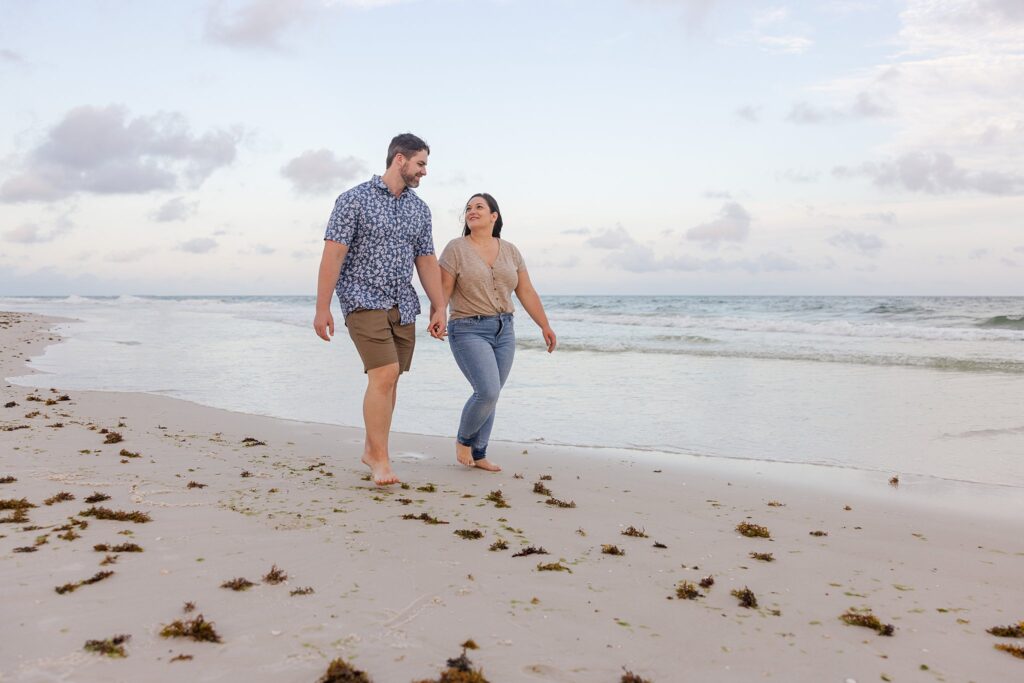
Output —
<point x="384" y="234"/>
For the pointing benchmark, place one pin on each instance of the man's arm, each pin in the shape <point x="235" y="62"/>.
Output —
<point x="430" y="278"/>
<point x="330" y="266"/>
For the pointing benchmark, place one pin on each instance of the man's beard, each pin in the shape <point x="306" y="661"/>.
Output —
<point x="411" y="180"/>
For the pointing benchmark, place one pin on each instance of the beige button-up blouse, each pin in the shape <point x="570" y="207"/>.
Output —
<point x="481" y="289"/>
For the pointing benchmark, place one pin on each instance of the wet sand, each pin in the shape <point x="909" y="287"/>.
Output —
<point x="396" y="597"/>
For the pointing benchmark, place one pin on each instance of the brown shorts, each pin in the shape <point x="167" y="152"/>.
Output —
<point x="380" y="339"/>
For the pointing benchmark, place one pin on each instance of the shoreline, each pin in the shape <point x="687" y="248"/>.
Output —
<point x="396" y="597"/>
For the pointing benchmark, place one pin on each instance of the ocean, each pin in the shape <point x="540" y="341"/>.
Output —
<point x="928" y="386"/>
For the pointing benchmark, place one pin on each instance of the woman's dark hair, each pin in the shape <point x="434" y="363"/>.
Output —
<point x="493" y="204"/>
<point x="405" y="144"/>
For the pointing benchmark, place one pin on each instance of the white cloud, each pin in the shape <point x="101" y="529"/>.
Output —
<point x="732" y="225"/>
<point x="934" y="173"/>
<point x="748" y="113"/>
<point x="255" y="23"/>
<point x="175" y="209"/>
<point x="319" y="170"/>
<point x="199" y="245"/>
<point x="788" y="45"/>
<point x="611" y="239"/>
<point x="10" y="56"/>
<point x="887" y="217"/>
<point x="99" y="150"/>
<point x="127" y="256"/>
<point x="576" y="231"/>
<point x="862" y="242"/>
<point x="33" y="233"/>
<point x="864" y="106"/>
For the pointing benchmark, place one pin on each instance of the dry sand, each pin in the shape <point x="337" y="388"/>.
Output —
<point x="396" y="597"/>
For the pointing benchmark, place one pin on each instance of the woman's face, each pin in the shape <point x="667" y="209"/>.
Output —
<point x="479" y="215"/>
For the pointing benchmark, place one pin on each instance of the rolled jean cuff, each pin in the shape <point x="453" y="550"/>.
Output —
<point x="478" y="454"/>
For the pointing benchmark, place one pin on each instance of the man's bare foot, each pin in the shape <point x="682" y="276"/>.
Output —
<point x="380" y="470"/>
<point x="464" y="454"/>
<point x="485" y="464"/>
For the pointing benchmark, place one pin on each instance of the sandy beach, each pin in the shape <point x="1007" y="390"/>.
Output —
<point x="647" y="568"/>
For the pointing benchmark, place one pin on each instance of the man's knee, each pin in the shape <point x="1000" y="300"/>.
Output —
<point x="383" y="379"/>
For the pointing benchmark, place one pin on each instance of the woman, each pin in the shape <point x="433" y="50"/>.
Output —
<point x="479" y="272"/>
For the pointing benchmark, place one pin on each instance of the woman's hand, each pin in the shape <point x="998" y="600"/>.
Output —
<point x="549" y="338"/>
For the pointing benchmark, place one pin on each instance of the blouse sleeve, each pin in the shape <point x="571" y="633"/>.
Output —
<point x="450" y="258"/>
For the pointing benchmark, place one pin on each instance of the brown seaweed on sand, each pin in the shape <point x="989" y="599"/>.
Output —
<point x="660" y="545"/>
<point x="197" y="629"/>
<point x="97" y="497"/>
<point x="500" y="544"/>
<point x="181" y="658"/>
<point x="630" y="677"/>
<point x="1015" y="631"/>
<point x="427" y="488"/>
<point x="1015" y="650"/>
<point x="763" y="557"/>
<point x="18" y="506"/>
<point x="239" y="584"/>
<point x="818" y="532"/>
<point x="111" y="647"/>
<point x="25" y="549"/>
<point x="302" y="591"/>
<point x="633" y="531"/>
<point x="116" y="515"/>
<point x="707" y="581"/>
<point x="553" y="567"/>
<point x="752" y="530"/>
<point x="274" y="576"/>
<point x="113" y="437"/>
<point x="560" y="503"/>
<point x="72" y="587"/>
<point x="125" y="453"/>
<point x="609" y="549"/>
<point x="340" y="671"/>
<point x="687" y="591"/>
<point x="746" y="597"/>
<point x="424" y="517"/>
<point x="895" y="481"/>
<point x="8" y="480"/>
<point x="469" y="534"/>
<point x="246" y="474"/>
<point x="541" y="489"/>
<point x="195" y="485"/>
<point x="59" y="498"/>
<point x="119" y="548"/>
<point x="249" y="442"/>
<point x="460" y="670"/>
<point x="530" y="550"/>
<point x="866" y="619"/>
<point x="498" y="498"/>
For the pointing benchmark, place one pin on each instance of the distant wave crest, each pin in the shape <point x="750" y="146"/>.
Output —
<point x="1004" y="322"/>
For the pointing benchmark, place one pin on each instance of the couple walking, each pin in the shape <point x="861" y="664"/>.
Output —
<point x="377" y="233"/>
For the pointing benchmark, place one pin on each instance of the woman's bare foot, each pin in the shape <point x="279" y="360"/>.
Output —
<point x="464" y="454"/>
<point x="485" y="464"/>
<point x="380" y="470"/>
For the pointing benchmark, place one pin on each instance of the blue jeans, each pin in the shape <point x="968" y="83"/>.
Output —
<point x="483" y="347"/>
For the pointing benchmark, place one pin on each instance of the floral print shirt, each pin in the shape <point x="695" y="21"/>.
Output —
<point x="384" y="235"/>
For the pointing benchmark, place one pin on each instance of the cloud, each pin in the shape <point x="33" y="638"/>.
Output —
<point x="887" y="217"/>
<point x="10" y="56"/>
<point x="976" y="254"/>
<point x="199" y="245"/>
<point x="639" y="258"/>
<point x="934" y="173"/>
<point x="786" y="45"/>
<point x="176" y="209"/>
<point x="748" y="113"/>
<point x="258" y="24"/>
<point x="795" y="176"/>
<point x="576" y="231"/>
<point x="318" y="170"/>
<point x="99" y="150"/>
<point x="263" y="249"/>
<point x="128" y="256"/>
<point x="732" y="225"/>
<point x="862" y="242"/>
<point x="611" y="239"/>
<point x="33" y="233"/>
<point x="716" y="194"/>
<point x="864" y="106"/>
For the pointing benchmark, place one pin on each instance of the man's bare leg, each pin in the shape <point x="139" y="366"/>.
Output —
<point x="378" y="407"/>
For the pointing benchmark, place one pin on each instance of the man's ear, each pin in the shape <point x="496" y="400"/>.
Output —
<point x="399" y="159"/>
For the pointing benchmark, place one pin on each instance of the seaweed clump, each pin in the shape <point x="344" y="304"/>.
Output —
<point x="867" y="620"/>
<point x="634" y="532"/>
<point x="72" y="587"/>
<point x="249" y="442"/>
<point x="340" y="671"/>
<point x="469" y="534"/>
<point x="1015" y="631"/>
<point x="120" y="548"/>
<point x="630" y="677"/>
<point x="117" y="515"/>
<point x="752" y="530"/>
<point x="195" y="485"/>
<point x="59" y="498"/>
<point x="687" y="591"/>
<point x="660" y="545"/>
<point x="609" y="549"/>
<point x="113" y="437"/>
<point x="18" y="506"/>
<point x="275" y="576"/>
<point x="97" y="497"/>
<point x="746" y="597"/>
<point x="197" y="629"/>
<point x="707" y="582"/>
<point x="553" y="567"/>
<point x="500" y="544"/>
<point x="498" y="498"/>
<point x="239" y="584"/>
<point x="541" y="489"/>
<point x="560" y="503"/>
<point x="424" y="517"/>
<point x="427" y="488"/>
<point x="530" y="550"/>
<point x="125" y="453"/>
<point x="1015" y="650"/>
<point x="111" y="647"/>
<point x="8" y="480"/>
<point x="460" y="669"/>
<point x="302" y="591"/>
<point x="763" y="557"/>
<point x="818" y="532"/>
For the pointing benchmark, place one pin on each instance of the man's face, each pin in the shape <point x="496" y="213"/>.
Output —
<point x="413" y="168"/>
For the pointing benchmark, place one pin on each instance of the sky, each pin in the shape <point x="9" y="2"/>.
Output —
<point x="196" y="147"/>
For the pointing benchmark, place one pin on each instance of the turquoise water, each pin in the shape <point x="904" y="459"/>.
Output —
<point x="919" y="385"/>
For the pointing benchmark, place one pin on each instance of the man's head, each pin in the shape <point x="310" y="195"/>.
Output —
<point x="408" y="155"/>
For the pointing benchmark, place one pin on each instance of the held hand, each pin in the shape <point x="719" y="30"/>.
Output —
<point x="323" y="324"/>
<point x="550" y="339"/>
<point x="438" y="324"/>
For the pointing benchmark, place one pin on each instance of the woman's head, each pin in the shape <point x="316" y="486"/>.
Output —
<point x="482" y="210"/>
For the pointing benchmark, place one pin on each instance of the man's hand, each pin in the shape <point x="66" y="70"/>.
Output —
<point x="323" y="323"/>
<point x="438" y="324"/>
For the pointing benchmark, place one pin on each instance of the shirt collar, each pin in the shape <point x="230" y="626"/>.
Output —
<point x="379" y="183"/>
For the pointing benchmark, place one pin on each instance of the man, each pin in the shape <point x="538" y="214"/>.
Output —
<point x="377" y="232"/>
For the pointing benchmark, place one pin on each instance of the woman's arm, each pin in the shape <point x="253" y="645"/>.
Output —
<point x="530" y="300"/>
<point x="447" y="287"/>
